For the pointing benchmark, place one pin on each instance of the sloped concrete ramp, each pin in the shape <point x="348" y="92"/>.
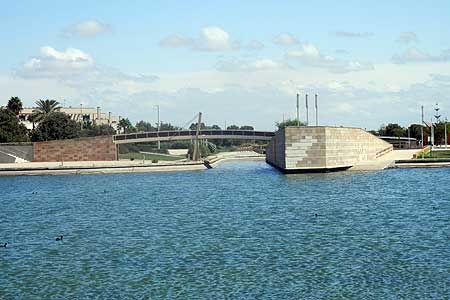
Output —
<point x="385" y="161"/>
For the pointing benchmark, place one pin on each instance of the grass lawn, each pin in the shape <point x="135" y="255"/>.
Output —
<point x="438" y="154"/>
<point x="140" y="156"/>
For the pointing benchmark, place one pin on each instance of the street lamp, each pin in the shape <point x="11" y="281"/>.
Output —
<point x="81" y="115"/>
<point x="157" y="125"/>
<point x="445" y="130"/>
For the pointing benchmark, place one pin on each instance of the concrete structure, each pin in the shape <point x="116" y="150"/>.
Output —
<point x="16" y="152"/>
<point x="99" y="148"/>
<point x="78" y="114"/>
<point x="322" y="148"/>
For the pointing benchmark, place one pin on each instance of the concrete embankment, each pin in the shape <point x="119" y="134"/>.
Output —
<point x="96" y="167"/>
<point x="423" y="163"/>
<point x="107" y="167"/>
<point x="214" y="160"/>
<point x="385" y="161"/>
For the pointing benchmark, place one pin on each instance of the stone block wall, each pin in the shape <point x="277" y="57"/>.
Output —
<point x="99" y="148"/>
<point x="276" y="150"/>
<point x="348" y="146"/>
<point x="316" y="148"/>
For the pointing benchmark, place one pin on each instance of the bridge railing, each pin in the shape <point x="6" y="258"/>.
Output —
<point x="202" y="134"/>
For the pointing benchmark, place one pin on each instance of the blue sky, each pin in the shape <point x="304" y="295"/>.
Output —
<point x="237" y="61"/>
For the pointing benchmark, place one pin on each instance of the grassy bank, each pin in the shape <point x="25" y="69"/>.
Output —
<point x="140" y="156"/>
<point x="438" y="154"/>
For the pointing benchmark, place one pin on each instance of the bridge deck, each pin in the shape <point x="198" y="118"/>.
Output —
<point x="154" y="136"/>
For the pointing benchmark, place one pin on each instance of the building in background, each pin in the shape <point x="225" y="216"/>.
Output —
<point x="85" y="114"/>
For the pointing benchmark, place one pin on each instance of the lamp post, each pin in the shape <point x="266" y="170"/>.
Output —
<point x="298" y="111"/>
<point x="157" y="126"/>
<point x="445" y="132"/>
<point x="81" y="115"/>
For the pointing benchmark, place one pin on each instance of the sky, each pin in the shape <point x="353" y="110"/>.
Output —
<point x="238" y="62"/>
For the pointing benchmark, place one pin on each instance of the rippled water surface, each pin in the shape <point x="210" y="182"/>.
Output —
<point x="241" y="231"/>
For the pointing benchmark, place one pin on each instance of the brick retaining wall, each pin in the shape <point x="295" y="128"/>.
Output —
<point x="99" y="148"/>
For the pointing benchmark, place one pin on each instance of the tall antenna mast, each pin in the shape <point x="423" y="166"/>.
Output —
<point x="317" y="110"/>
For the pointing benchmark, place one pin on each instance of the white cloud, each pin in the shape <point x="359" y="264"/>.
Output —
<point x="87" y="29"/>
<point x="407" y="38"/>
<point x="309" y="55"/>
<point x="414" y="55"/>
<point x="248" y="66"/>
<point x="307" y="52"/>
<point x="176" y="41"/>
<point x="252" y="45"/>
<point x="352" y="35"/>
<point x="53" y="63"/>
<point x="389" y="93"/>
<point x="212" y="38"/>
<point x="75" y="69"/>
<point x="285" y="39"/>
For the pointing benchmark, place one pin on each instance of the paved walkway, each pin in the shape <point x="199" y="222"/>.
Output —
<point x="384" y="161"/>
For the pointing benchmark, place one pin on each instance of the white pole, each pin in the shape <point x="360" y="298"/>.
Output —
<point x="307" y="114"/>
<point x="158" y="125"/>
<point x="445" y="130"/>
<point x="298" y="111"/>
<point x="317" y="109"/>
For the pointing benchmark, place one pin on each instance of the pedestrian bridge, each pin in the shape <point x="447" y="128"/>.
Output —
<point x="180" y="135"/>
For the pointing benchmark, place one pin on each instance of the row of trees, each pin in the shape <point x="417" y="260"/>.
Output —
<point x="126" y="126"/>
<point x="51" y="123"/>
<point x="393" y="129"/>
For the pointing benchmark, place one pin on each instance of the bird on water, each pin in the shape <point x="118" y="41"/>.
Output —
<point x="4" y="245"/>
<point x="60" y="238"/>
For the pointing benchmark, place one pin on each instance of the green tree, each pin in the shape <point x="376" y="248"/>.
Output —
<point x="56" y="126"/>
<point x="439" y="133"/>
<point x="11" y="130"/>
<point x="15" y="105"/>
<point x="44" y="108"/>
<point x="90" y="129"/>
<point x="415" y="131"/>
<point x="167" y="126"/>
<point x="145" y="126"/>
<point x="215" y="127"/>
<point x="194" y="126"/>
<point x="392" y="129"/>
<point x="125" y="126"/>
<point x="233" y="127"/>
<point x="247" y="127"/>
<point x="288" y="123"/>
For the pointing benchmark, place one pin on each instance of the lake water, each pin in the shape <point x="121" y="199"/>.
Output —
<point x="241" y="231"/>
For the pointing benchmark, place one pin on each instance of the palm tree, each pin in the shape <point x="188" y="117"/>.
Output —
<point x="15" y="105"/>
<point x="44" y="108"/>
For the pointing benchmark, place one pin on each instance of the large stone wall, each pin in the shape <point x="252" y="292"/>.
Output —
<point x="99" y="148"/>
<point x="323" y="148"/>
<point x="276" y="150"/>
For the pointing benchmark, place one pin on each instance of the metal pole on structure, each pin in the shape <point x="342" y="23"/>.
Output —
<point x="307" y="114"/>
<point x="195" y="154"/>
<point x="158" y="125"/>
<point x="298" y="111"/>
<point x="421" y="132"/>
<point x="317" y="108"/>
<point x="409" y="139"/>
<point x="81" y="115"/>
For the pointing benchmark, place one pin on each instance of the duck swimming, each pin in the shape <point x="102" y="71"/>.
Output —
<point x="4" y="246"/>
<point x="60" y="238"/>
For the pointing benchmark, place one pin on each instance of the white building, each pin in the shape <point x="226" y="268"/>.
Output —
<point x="86" y="114"/>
